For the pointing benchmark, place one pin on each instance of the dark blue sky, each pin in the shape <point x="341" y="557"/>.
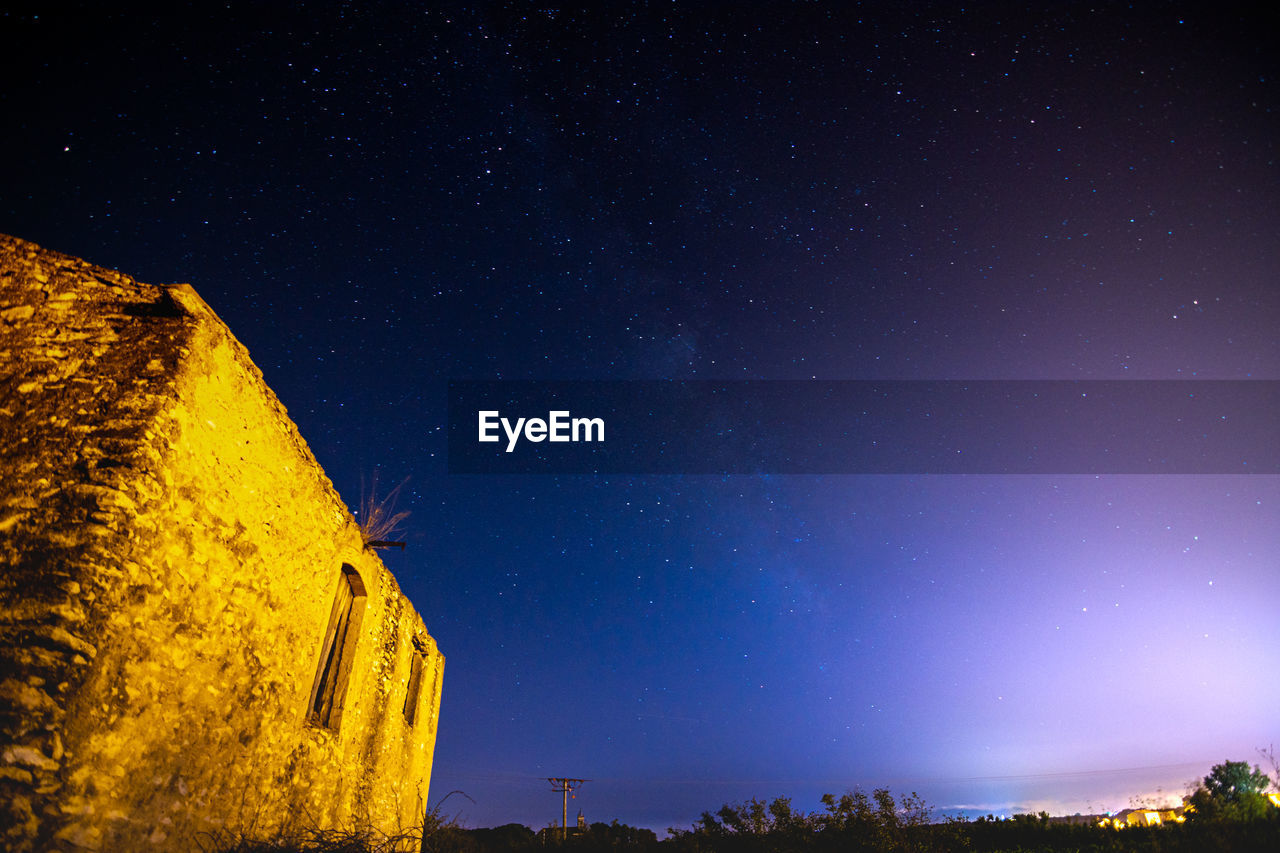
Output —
<point x="380" y="198"/>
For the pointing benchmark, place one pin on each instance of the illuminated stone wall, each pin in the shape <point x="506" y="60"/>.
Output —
<point x="171" y="552"/>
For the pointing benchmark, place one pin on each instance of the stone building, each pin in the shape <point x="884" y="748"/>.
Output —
<point x="194" y="637"/>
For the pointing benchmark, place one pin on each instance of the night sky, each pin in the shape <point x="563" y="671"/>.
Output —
<point x="381" y="198"/>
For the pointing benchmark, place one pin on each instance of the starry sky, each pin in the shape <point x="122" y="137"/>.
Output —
<point x="380" y="198"/>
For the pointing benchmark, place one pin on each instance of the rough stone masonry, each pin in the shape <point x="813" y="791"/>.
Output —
<point x="194" y="637"/>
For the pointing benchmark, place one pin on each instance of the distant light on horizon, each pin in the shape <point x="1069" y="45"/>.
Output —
<point x="402" y="201"/>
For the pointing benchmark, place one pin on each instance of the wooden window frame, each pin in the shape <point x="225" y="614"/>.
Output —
<point x="337" y="654"/>
<point x="413" y="693"/>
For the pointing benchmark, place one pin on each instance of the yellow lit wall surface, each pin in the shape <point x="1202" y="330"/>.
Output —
<point x="170" y="552"/>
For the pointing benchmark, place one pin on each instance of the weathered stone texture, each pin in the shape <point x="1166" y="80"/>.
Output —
<point x="171" y="552"/>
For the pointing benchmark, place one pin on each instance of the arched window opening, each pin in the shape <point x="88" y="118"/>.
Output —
<point x="336" y="655"/>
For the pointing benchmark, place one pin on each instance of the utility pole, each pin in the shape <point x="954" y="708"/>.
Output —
<point x="564" y="786"/>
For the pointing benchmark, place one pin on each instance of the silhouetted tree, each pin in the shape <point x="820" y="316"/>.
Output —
<point x="747" y="827"/>
<point x="1232" y="791"/>
<point x="1273" y="761"/>
<point x="615" y="836"/>
<point x="504" y="839"/>
<point x="858" y="822"/>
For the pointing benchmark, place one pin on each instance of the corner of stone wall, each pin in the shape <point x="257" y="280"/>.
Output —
<point x="80" y="384"/>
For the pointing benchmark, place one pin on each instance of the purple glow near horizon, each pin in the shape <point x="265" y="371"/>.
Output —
<point x="383" y="199"/>
<point x="1001" y="644"/>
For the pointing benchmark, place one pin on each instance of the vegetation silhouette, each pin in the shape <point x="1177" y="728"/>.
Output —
<point x="1233" y="791"/>
<point x="1229" y="812"/>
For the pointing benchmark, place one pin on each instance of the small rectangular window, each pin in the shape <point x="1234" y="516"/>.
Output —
<point x="329" y="690"/>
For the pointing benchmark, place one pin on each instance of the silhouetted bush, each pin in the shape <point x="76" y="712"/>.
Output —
<point x="852" y="823"/>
